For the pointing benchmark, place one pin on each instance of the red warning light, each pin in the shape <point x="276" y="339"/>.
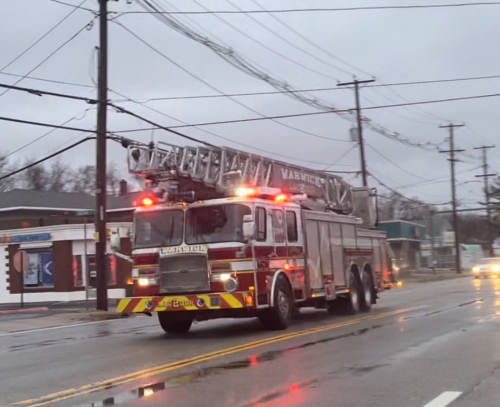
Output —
<point x="147" y="202"/>
<point x="280" y="198"/>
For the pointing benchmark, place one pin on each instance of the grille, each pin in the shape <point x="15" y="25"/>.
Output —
<point x="184" y="273"/>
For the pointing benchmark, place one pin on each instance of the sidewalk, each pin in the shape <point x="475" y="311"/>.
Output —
<point x="427" y="275"/>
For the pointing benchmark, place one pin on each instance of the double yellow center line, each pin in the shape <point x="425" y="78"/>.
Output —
<point x="142" y="374"/>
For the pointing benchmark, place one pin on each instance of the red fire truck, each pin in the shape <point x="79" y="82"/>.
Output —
<point x="221" y="233"/>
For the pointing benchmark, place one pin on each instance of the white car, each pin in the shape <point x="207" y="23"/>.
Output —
<point x="488" y="267"/>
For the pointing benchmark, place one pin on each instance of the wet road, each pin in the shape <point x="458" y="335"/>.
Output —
<point x="432" y="345"/>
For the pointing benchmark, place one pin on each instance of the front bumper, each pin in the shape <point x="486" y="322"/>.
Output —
<point x="195" y="302"/>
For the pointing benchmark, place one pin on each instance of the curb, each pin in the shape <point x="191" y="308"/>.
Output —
<point x="20" y="310"/>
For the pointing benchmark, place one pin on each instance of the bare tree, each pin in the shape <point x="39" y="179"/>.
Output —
<point x="5" y="168"/>
<point x="59" y="171"/>
<point x="83" y="179"/>
<point x="35" y="178"/>
<point x="112" y="178"/>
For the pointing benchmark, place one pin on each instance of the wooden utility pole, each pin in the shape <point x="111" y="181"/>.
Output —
<point x="356" y="84"/>
<point x="452" y="160"/>
<point x="485" y="175"/>
<point x="100" y="210"/>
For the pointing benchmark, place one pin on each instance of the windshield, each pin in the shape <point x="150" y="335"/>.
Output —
<point x="158" y="229"/>
<point x="491" y="260"/>
<point x="216" y="223"/>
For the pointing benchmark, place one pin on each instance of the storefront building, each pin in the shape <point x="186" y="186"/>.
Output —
<point x="60" y="249"/>
<point x="405" y="239"/>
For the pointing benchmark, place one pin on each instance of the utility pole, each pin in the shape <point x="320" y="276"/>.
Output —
<point x="452" y="160"/>
<point x="100" y="212"/>
<point x="431" y="235"/>
<point x="485" y="175"/>
<point x="356" y="84"/>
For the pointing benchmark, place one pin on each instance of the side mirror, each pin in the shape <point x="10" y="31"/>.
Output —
<point x="248" y="227"/>
<point x="115" y="242"/>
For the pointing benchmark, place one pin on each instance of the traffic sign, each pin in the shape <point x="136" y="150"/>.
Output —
<point x="96" y="234"/>
<point x="21" y="261"/>
<point x="90" y="212"/>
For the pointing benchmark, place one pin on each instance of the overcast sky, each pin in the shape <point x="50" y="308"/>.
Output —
<point x="391" y="45"/>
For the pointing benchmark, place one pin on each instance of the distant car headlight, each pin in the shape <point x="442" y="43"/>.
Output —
<point x="495" y="268"/>
<point x="475" y="269"/>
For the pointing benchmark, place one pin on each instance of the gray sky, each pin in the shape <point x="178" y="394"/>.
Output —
<point x="392" y="45"/>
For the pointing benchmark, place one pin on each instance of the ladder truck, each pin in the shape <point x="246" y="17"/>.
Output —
<point x="222" y="233"/>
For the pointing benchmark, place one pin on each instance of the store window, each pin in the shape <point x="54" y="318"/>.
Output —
<point x="41" y="270"/>
<point x="78" y="277"/>
<point x="110" y="269"/>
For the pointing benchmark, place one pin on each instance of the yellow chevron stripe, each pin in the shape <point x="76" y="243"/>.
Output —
<point x="232" y="301"/>
<point x="141" y="307"/>
<point x="189" y="307"/>
<point x="122" y="305"/>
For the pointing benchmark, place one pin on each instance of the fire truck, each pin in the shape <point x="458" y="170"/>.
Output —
<point x="222" y="233"/>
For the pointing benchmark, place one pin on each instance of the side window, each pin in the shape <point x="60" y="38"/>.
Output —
<point x="261" y="223"/>
<point x="291" y="226"/>
<point x="278" y="225"/>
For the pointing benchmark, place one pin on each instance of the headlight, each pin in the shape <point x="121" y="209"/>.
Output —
<point x="146" y="281"/>
<point x="495" y="268"/>
<point x="475" y="269"/>
<point x="220" y="277"/>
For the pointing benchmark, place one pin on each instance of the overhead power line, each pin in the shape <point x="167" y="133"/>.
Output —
<point x="284" y="39"/>
<point x="55" y="126"/>
<point x="324" y="9"/>
<point x="38" y="92"/>
<point x="123" y="110"/>
<point x="47" y="80"/>
<point x="336" y="88"/>
<point x="44" y="135"/>
<point x="393" y="163"/>
<point x="79" y="7"/>
<point x="46" y="158"/>
<point x="42" y="37"/>
<point x="262" y="44"/>
<point x="236" y="60"/>
<point x="331" y="111"/>
<point x="226" y="138"/>
<point x="87" y="26"/>
<point x="312" y="43"/>
<point x="264" y="117"/>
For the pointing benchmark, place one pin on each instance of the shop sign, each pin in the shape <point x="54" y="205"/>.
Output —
<point x="25" y="238"/>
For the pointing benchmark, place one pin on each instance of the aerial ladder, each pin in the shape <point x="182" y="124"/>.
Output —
<point x="213" y="172"/>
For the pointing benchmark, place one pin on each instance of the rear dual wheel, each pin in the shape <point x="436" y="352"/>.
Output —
<point x="360" y="297"/>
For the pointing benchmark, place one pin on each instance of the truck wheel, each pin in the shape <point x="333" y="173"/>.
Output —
<point x="353" y="299"/>
<point x="173" y="324"/>
<point x="279" y="316"/>
<point x="367" y="298"/>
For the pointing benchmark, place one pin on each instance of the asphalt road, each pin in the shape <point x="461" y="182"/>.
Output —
<point x="432" y="345"/>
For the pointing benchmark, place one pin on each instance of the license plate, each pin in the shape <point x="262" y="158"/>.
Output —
<point x="176" y="303"/>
